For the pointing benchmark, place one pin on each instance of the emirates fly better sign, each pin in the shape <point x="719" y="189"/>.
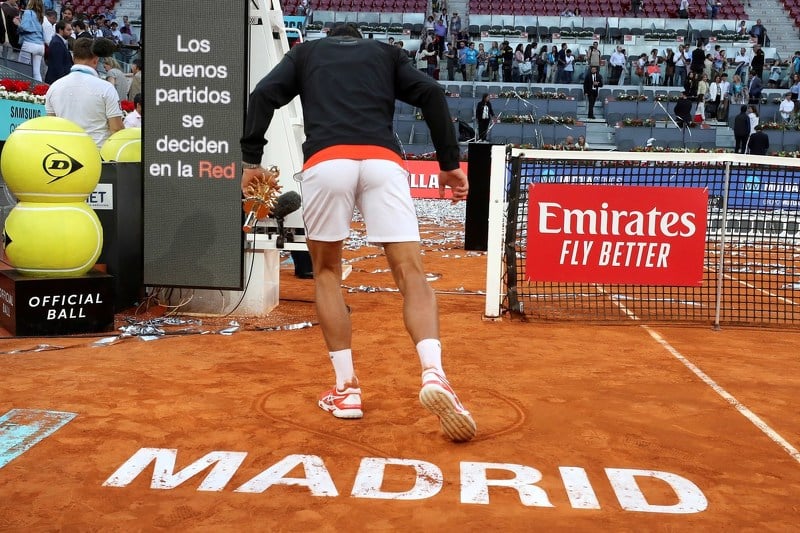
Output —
<point x="614" y="234"/>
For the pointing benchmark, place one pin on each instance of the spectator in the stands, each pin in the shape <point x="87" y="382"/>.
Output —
<point x="569" y="67"/>
<point x="455" y="26"/>
<point x="757" y="61"/>
<point x="698" y="59"/>
<point x="786" y="109"/>
<point x="552" y="68"/>
<point x="759" y="32"/>
<point x="508" y="60"/>
<point x="617" y="62"/>
<point x="561" y="62"/>
<point x="754" y="88"/>
<point x="742" y="62"/>
<point x="134" y="118"/>
<point x="752" y="114"/>
<point x="741" y="130"/>
<point x="471" y="62"/>
<point x="484" y="115"/>
<point x="669" y="67"/>
<point x="482" y="61"/>
<point x="759" y="142"/>
<point x="59" y="60"/>
<point x="440" y="34"/>
<point x="682" y="61"/>
<point x="683" y="111"/>
<point x="451" y="55"/>
<point x="494" y="63"/>
<point x="32" y="35"/>
<point x="136" y="78"/>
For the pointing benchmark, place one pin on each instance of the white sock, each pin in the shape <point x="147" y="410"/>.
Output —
<point x="430" y="355"/>
<point x="343" y="368"/>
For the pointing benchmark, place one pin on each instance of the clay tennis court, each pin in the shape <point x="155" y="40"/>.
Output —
<point x="581" y="427"/>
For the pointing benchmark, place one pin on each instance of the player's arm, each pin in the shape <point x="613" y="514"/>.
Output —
<point x="114" y="124"/>
<point x="275" y="90"/>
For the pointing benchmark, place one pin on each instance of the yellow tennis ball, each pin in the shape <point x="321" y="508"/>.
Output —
<point x="50" y="159"/>
<point x="48" y="240"/>
<point x="124" y="146"/>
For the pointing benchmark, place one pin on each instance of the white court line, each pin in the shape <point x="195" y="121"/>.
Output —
<point x="751" y="286"/>
<point x="622" y="308"/>
<point x="773" y="435"/>
<point x="747" y="413"/>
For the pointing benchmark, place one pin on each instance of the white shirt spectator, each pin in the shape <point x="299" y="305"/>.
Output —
<point x="753" y="122"/>
<point x="133" y="120"/>
<point x="82" y="97"/>
<point x="786" y="108"/>
<point x="48" y="29"/>
<point x="617" y="59"/>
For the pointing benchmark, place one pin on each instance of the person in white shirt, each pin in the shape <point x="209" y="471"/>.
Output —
<point x="786" y="109"/>
<point x="753" y="114"/>
<point x="82" y="97"/>
<point x="742" y="62"/>
<point x="725" y="97"/>
<point x="617" y="61"/>
<point x="134" y="118"/>
<point x="49" y="25"/>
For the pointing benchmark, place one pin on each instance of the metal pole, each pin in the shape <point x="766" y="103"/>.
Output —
<point x="721" y="247"/>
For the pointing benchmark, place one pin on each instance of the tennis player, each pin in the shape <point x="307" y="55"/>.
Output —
<point x="348" y="86"/>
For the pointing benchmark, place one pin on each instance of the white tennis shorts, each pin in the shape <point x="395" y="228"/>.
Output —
<point x="378" y="187"/>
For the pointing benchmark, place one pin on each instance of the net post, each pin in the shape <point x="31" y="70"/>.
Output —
<point x="721" y="246"/>
<point x="494" y="245"/>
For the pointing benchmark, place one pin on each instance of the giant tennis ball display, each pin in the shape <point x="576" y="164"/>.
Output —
<point x="50" y="159"/>
<point x="53" y="240"/>
<point x="124" y="146"/>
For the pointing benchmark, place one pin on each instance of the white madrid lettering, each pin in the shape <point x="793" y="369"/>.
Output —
<point x="424" y="479"/>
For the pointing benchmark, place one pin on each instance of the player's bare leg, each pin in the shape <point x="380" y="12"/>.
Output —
<point x="421" y="317"/>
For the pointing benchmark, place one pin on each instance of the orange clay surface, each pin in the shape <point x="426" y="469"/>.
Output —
<point x="548" y="398"/>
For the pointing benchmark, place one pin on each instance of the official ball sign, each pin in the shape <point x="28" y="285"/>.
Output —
<point x="612" y="234"/>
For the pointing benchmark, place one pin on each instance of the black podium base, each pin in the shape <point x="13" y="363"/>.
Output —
<point x="32" y="307"/>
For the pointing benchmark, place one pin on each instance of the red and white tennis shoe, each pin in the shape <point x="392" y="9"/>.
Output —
<point x="439" y="398"/>
<point x="342" y="404"/>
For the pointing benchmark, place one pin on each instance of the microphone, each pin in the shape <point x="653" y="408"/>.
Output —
<point x="286" y="204"/>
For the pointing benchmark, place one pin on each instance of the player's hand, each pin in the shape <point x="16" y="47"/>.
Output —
<point x="457" y="181"/>
<point x="253" y="177"/>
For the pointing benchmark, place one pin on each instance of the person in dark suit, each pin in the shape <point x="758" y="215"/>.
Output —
<point x="683" y="111"/>
<point x="484" y="114"/>
<point x="592" y="82"/>
<point x="741" y="130"/>
<point x="59" y="59"/>
<point x="755" y="87"/>
<point x="759" y="142"/>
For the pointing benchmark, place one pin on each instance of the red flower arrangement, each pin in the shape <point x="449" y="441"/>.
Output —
<point x="127" y="106"/>
<point x="22" y="91"/>
<point x="21" y="86"/>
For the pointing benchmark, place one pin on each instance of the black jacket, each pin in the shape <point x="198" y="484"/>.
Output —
<point x="741" y="125"/>
<point x="59" y="60"/>
<point x="348" y="87"/>
<point x="588" y="85"/>
<point x="758" y="143"/>
<point x="683" y="109"/>
<point x="479" y="110"/>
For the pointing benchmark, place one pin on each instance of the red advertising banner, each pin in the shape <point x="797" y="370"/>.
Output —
<point x="613" y="234"/>
<point x="424" y="178"/>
